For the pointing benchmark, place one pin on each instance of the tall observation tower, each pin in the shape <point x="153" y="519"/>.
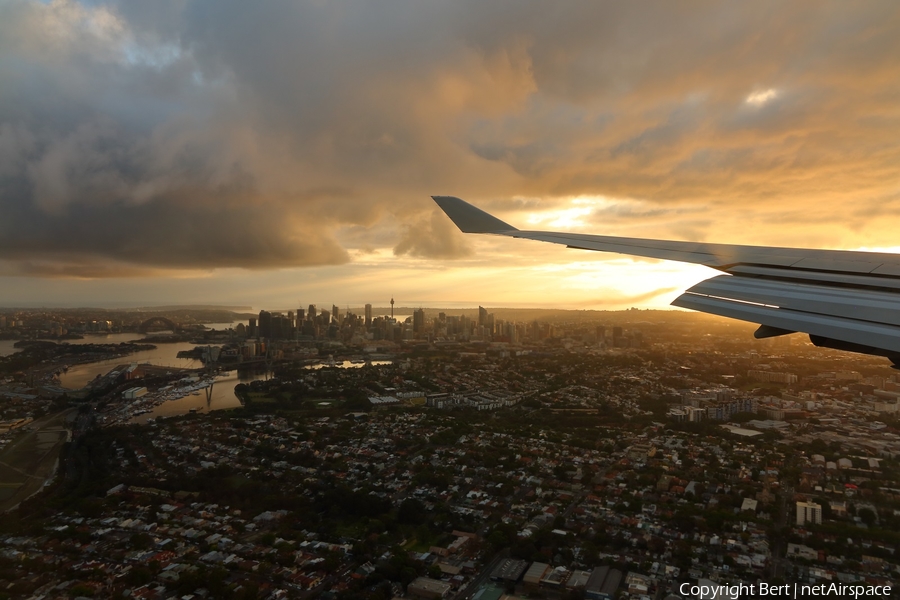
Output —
<point x="392" y="309"/>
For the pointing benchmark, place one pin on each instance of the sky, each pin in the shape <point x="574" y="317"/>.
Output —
<point x="265" y="154"/>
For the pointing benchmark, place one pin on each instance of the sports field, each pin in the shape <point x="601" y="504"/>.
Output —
<point x="27" y="462"/>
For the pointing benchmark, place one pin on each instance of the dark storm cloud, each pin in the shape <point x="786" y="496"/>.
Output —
<point x="433" y="238"/>
<point x="187" y="134"/>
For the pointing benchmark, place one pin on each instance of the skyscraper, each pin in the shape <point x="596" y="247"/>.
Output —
<point x="419" y="322"/>
<point x="282" y="327"/>
<point x="265" y="324"/>
<point x="368" y="315"/>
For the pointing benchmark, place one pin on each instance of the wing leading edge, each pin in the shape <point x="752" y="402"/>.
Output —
<point x="842" y="299"/>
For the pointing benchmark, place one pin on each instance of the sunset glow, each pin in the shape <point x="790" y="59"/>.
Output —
<point x="158" y="156"/>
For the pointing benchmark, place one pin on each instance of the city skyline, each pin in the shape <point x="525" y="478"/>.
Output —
<point x="587" y="452"/>
<point x="154" y="156"/>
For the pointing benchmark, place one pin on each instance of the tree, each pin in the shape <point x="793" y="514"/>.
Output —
<point x="139" y="576"/>
<point x="411" y="512"/>
<point x="81" y="590"/>
<point x="867" y="515"/>
<point x="141" y="541"/>
<point x="497" y="539"/>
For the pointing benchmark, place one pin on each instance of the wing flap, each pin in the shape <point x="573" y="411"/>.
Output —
<point x="844" y="266"/>
<point x="862" y="333"/>
<point x="861" y="305"/>
<point x="889" y="268"/>
<point x="847" y="280"/>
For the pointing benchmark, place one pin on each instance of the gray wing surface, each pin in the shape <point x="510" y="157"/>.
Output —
<point x="843" y="299"/>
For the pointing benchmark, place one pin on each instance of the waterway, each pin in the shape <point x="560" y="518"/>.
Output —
<point x="347" y="364"/>
<point x="163" y="355"/>
<point x="222" y="396"/>
<point x="8" y="347"/>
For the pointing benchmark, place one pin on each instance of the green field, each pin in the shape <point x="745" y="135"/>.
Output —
<point x="27" y="462"/>
<point x="7" y="490"/>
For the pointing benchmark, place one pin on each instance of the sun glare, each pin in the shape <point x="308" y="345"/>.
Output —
<point x="884" y="249"/>
<point x="567" y="218"/>
<point x="573" y="216"/>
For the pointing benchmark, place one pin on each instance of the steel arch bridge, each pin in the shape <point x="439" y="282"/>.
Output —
<point x="146" y="325"/>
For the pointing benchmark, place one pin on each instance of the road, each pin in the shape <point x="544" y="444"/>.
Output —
<point x="778" y="564"/>
<point x="483" y="576"/>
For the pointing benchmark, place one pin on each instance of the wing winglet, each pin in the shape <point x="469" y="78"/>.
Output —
<point x="470" y="219"/>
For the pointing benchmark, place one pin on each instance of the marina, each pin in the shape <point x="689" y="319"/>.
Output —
<point x="195" y="392"/>
<point x="150" y="405"/>
<point x="199" y="395"/>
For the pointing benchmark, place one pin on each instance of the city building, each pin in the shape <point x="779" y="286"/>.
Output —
<point x="809" y="512"/>
<point x="429" y="589"/>
<point x="419" y="322"/>
<point x="603" y="583"/>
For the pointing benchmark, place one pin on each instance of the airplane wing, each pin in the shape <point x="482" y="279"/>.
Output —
<point x="843" y="299"/>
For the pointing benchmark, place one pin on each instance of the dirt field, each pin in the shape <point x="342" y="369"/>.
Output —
<point x="29" y="460"/>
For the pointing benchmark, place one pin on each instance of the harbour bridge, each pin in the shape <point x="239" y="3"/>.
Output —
<point x="149" y="323"/>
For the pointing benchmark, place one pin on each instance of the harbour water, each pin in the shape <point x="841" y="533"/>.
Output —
<point x="348" y="364"/>
<point x="222" y="395"/>
<point x="8" y="347"/>
<point x="165" y="355"/>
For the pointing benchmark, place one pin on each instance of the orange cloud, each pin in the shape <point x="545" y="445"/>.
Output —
<point x="308" y="134"/>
